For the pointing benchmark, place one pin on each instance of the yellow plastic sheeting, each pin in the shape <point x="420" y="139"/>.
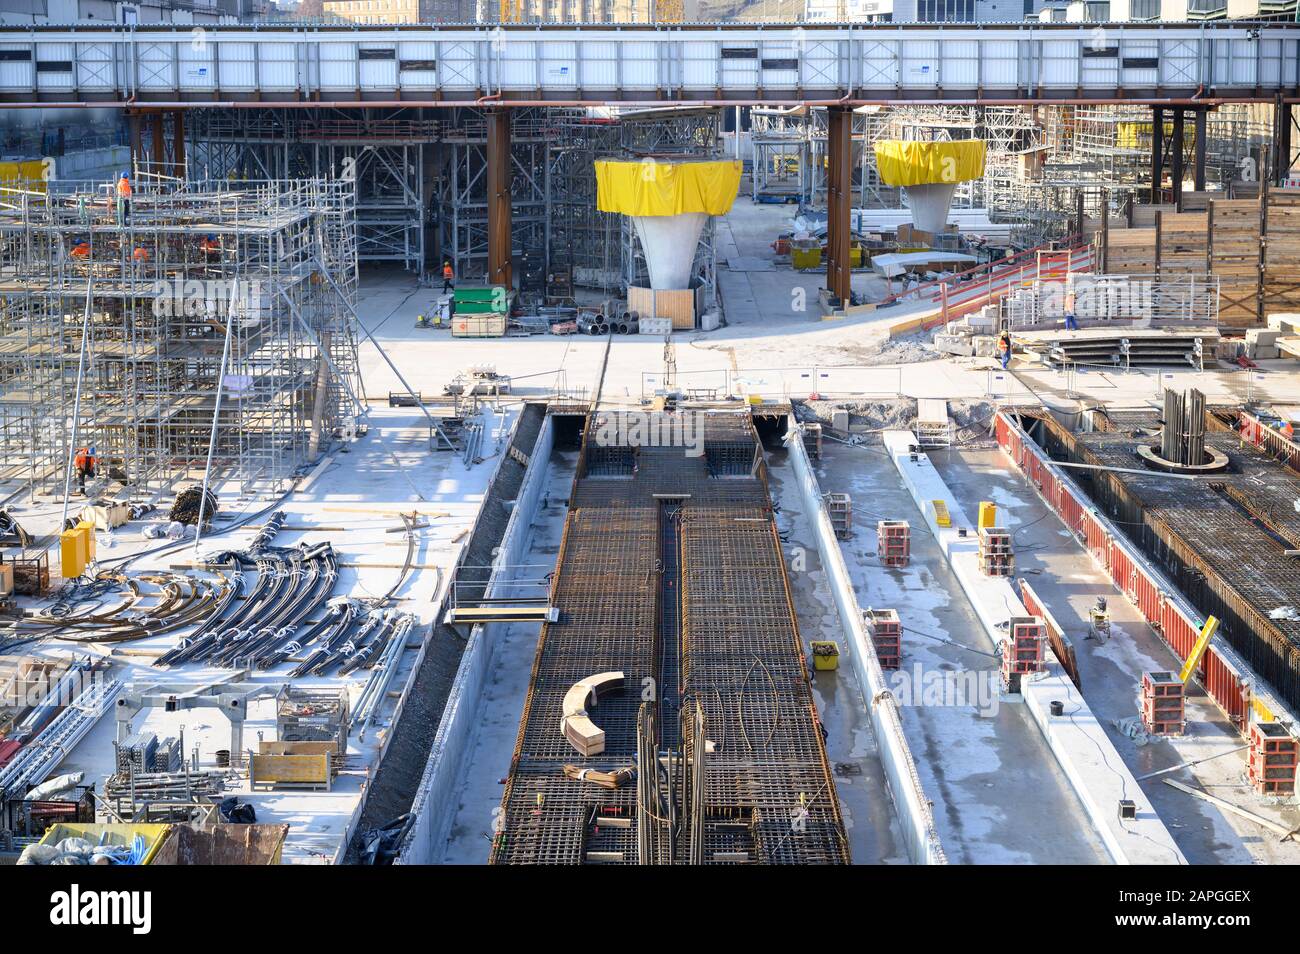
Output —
<point x="922" y="163"/>
<point x="666" y="188"/>
<point x="23" y="174"/>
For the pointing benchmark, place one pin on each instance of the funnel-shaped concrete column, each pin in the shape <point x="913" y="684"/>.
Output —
<point x="930" y="172"/>
<point x="669" y="203"/>
<point x="669" y="242"/>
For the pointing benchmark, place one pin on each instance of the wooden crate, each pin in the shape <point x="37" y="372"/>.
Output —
<point x="680" y="307"/>
<point x="306" y="770"/>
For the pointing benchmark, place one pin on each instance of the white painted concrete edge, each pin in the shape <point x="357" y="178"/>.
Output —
<point x="1258" y="686"/>
<point x="433" y="805"/>
<point x="910" y="802"/>
<point x="1085" y="753"/>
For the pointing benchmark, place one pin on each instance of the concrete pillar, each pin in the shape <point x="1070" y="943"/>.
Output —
<point x="839" y="196"/>
<point x="1157" y="151"/>
<point x="498" y="185"/>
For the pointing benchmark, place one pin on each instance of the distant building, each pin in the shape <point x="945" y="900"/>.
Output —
<point x="16" y="12"/>
<point x="855" y="11"/>
<point x="965" y="11"/>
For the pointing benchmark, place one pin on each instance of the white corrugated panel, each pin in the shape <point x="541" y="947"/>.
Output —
<point x="518" y="64"/>
<point x="1059" y="64"/>
<point x="559" y="62"/>
<point x="599" y="65"/>
<point x="821" y="64"/>
<point x="1101" y="71"/>
<point x="377" y="66"/>
<point x="95" y="67"/>
<point x="457" y="66"/>
<point x="638" y="63"/>
<point x="919" y="66"/>
<point x="338" y="66"/>
<point x="278" y="67"/>
<point x="412" y="60"/>
<point x="155" y="66"/>
<point x="50" y="58"/>
<point x="961" y="64"/>
<point x="238" y="71"/>
<point x="738" y="67"/>
<point x="197" y="70"/>
<point x="1000" y="62"/>
<point x="879" y="64"/>
<point x="1139" y="50"/>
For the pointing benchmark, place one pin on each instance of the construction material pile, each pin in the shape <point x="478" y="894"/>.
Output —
<point x="188" y="504"/>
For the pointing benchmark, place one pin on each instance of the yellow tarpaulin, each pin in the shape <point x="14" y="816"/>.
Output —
<point x="23" y="174"/>
<point x="650" y="187"/>
<point x="922" y="163"/>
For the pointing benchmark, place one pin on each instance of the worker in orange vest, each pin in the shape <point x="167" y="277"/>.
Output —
<point x="447" y="276"/>
<point x="140" y="254"/>
<point x="210" y="247"/>
<point x="80" y="248"/>
<point x="124" y="199"/>
<point x="84" y="463"/>
<point x="1288" y="431"/>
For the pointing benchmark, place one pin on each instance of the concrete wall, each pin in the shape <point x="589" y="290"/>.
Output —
<point x="434" y="804"/>
<point x="910" y="801"/>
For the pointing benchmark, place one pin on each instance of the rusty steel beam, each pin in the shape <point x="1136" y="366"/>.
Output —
<point x="158" y="143"/>
<point x="839" y="198"/>
<point x="178" y="143"/>
<point x="1157" y="152"/>
<point x="498" y="198"/>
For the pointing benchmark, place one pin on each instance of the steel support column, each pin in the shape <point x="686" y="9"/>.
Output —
<point x="1282" y="131"/>
<point x="137" y="144"/>
<point x="1176" y="160"/>
<point x="839" y="197"/>
<point x="1198" y="169"/>
<point x="158" y="146"/>
<point x="178" y="143"/>
<point x="1157" y="151"/>
<point x="498" y="185"/>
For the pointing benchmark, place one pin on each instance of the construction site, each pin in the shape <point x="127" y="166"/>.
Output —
<point x="566" y="447"/>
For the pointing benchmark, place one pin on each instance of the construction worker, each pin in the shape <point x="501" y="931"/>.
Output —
<point x="140" y="254"/>
<point x="447" y="276"/>
<point x="124" y="199"/>
<point x="80" y="248"/>
<point x="1288" y="431"/>
<point x="84" y="463"/>
<point x="210" y="247"/>
<point x="1071" y="322"/>
<point x="1004" y="349"/>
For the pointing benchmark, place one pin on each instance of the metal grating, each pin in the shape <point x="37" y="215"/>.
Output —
<point x="676" y="577"/>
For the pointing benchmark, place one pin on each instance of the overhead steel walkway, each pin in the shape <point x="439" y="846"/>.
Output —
<point x="564" y="64"/>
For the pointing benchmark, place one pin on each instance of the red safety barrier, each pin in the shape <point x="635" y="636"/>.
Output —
<point x="1127" y="569"/>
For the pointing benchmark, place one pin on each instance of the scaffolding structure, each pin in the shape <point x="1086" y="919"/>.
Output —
<point x="385" y="152"/>
<point x="199" y="320"/>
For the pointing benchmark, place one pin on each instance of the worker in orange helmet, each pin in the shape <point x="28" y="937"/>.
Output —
<point x="124" y="198"/>
<point x="84" y="464"/>
<point x="80" y="248"/>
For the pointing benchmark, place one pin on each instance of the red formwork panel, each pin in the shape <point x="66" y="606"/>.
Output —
<point x="1225" y="685"/>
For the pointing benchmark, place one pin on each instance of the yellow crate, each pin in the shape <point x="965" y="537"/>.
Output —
<point x="826" y="654"/>
<point x="87" y="527"/>
<point x="72" y="553"/>
<point x="110" y="834"/>
<point x="941" y="516"/>
<point x="988" y="514"/>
